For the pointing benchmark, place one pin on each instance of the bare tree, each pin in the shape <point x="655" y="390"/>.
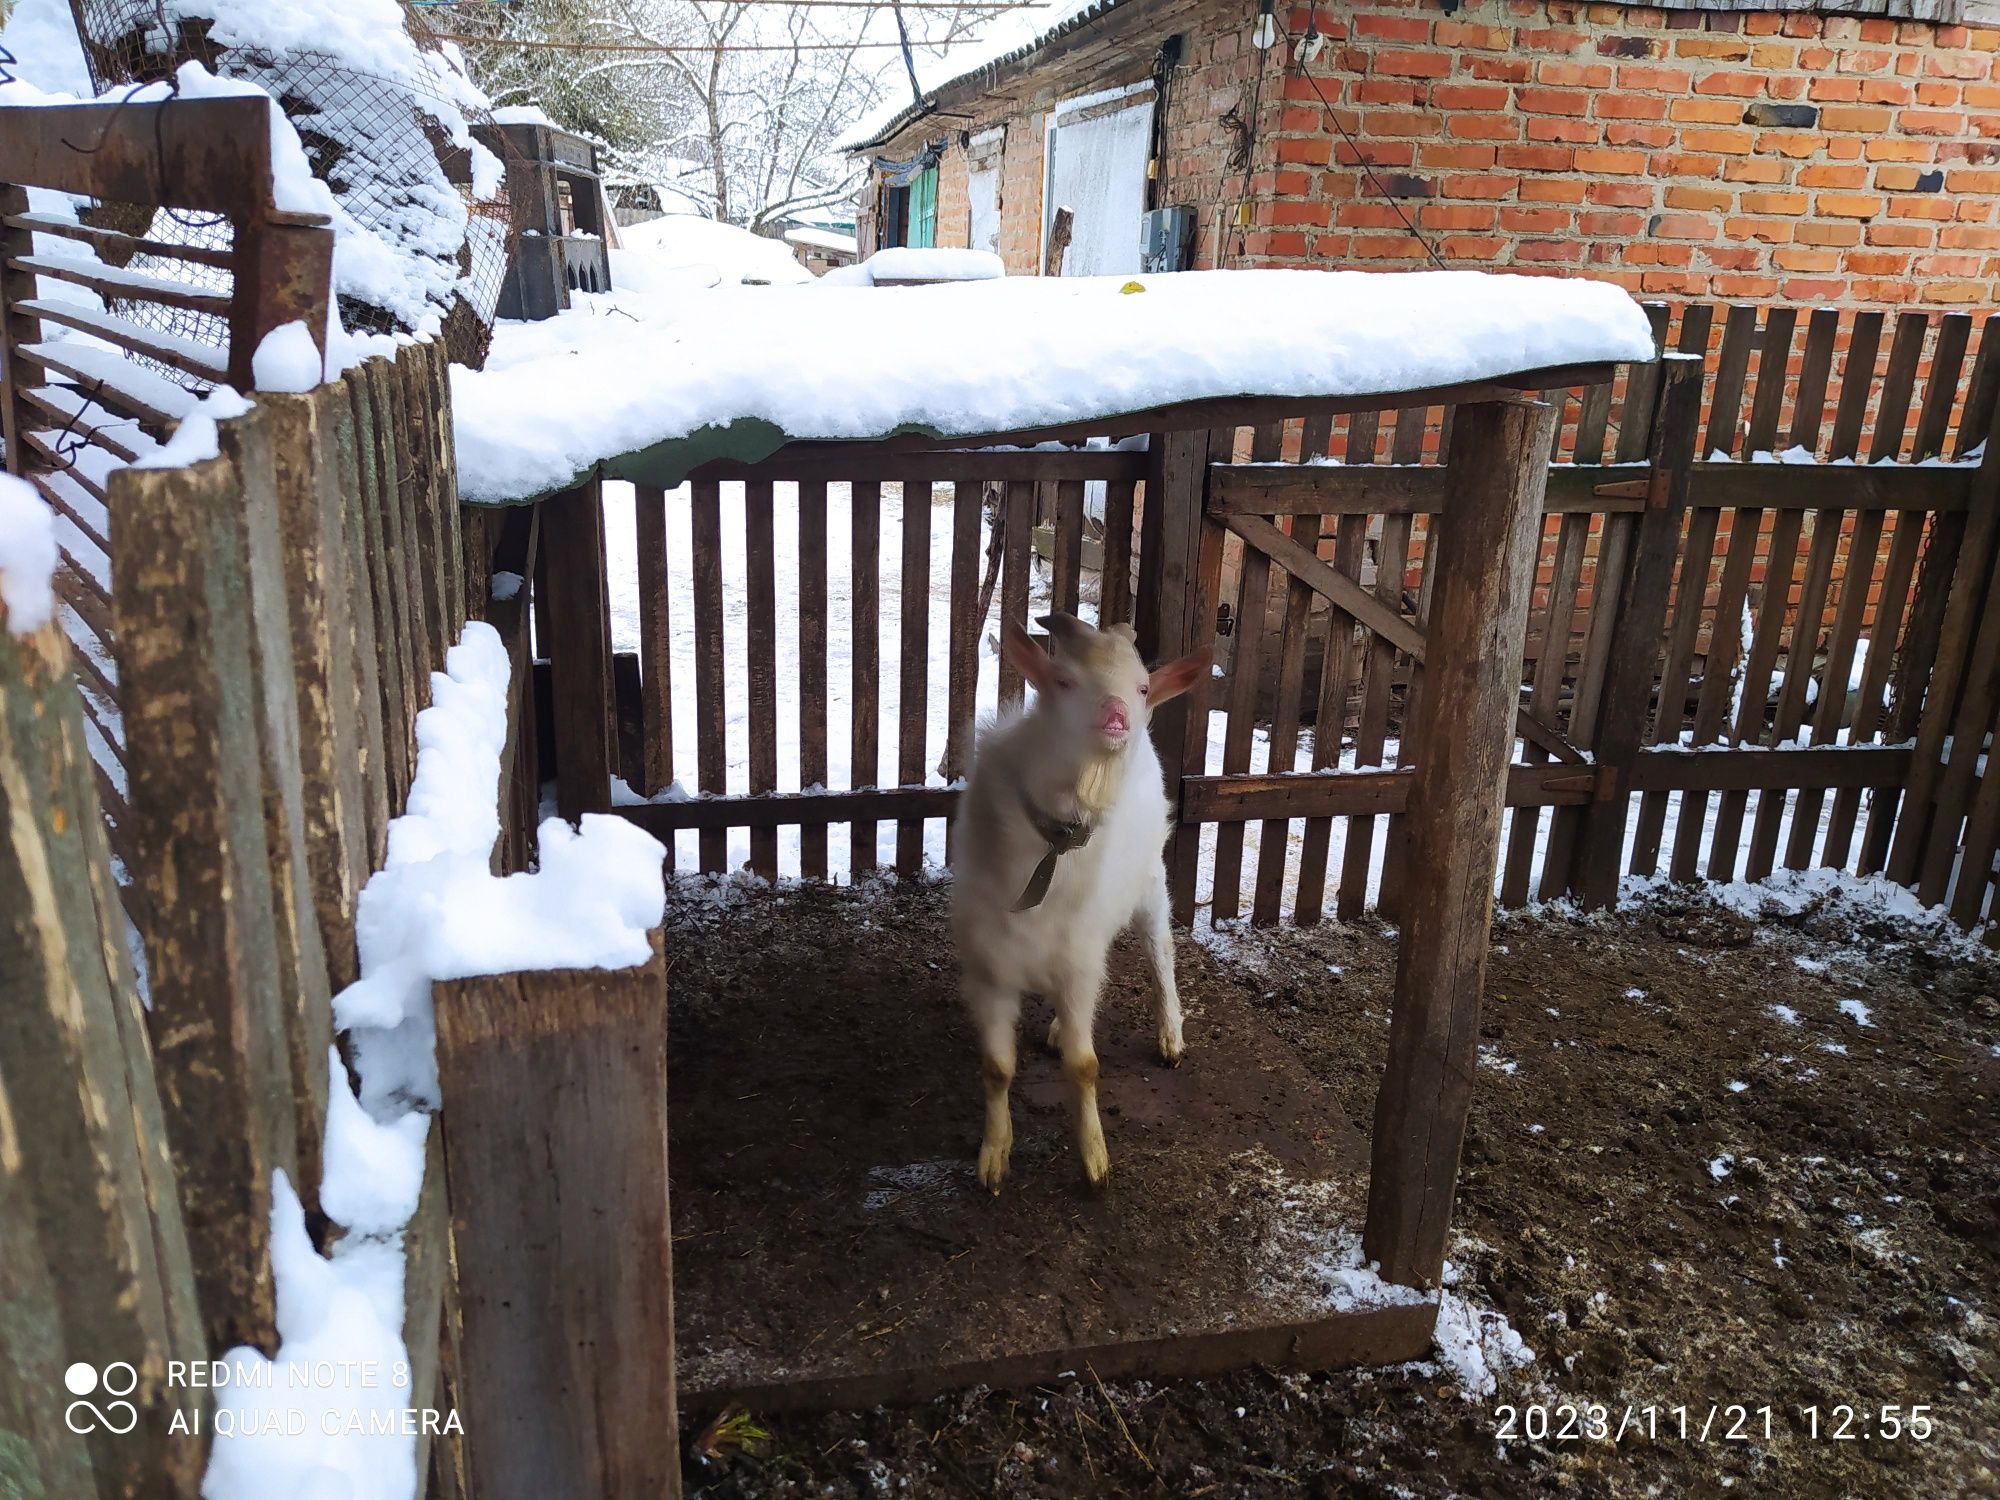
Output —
<point x="737" y="108"/>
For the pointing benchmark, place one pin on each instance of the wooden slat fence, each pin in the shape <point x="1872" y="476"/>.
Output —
<point x="1828" y="484"/>
<point x="253" y="634"/>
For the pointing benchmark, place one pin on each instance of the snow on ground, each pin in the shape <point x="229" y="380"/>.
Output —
<point x="818" y="361"/>
<point x="1306" y="1250"/>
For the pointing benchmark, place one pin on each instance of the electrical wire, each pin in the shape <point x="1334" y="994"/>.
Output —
<point x="1361" y="160"/>
<point x="788" y="4"/>
<point x="656" y="48"/>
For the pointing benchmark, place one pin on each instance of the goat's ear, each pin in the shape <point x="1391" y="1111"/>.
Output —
<point x="1176" y="677"/>
<point x="1019" y="651"/>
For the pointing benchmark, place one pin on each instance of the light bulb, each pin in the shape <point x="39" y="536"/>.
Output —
<point x="1266" y="34"/>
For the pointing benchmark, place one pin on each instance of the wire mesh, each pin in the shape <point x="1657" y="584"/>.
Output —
<point x="376" y="142"/>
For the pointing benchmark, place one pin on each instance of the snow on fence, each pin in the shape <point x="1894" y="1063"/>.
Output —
<point x="799" y="646"/>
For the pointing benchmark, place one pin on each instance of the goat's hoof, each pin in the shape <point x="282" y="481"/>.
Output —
<point x="1055" y="1035"/>
<point x="993" y="1167"/>
<point x="1096" y="1163"/>
<point x="1172" y="1048"/>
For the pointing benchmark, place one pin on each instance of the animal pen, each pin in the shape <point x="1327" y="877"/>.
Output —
<point x="1514" y="637"/>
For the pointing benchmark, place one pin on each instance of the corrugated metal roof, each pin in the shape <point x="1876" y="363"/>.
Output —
<point x="986" y="73"/>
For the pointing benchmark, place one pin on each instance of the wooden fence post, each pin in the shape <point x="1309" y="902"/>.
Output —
<point x="335" y="758"/>
<point x="555" y="1139"/>
<point x="1485" y="569"/>
<point x="381" y="605"/>
<point x="94" y="1260"/>
<point x="1634" y="649"/>
<point x="187" y="673"/>
<point x="578" y="648"/>
<point x="304" y="994"/>
<point x="1176" y="615"/>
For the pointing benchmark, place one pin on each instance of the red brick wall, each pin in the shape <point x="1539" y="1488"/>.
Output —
<point x="1748" y="156"/>
<point x="1745" y="155"/>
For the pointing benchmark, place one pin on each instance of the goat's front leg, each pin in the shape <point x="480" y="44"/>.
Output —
<point x="1156" y="928"/>
<point x="1076" y="1008"/>
<point x="995" y="1011"/>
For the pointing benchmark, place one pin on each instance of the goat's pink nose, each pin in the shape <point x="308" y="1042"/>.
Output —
<point x="1117" y="717"/>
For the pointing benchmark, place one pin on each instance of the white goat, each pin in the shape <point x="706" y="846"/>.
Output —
<point x="1057" y="851"/>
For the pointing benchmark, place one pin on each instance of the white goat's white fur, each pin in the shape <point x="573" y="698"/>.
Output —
<point x="1059" y="948"/>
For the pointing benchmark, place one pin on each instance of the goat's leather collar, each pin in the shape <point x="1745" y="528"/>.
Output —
<point x="1061" y="838"/>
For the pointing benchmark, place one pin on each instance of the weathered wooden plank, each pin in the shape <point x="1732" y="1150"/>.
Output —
<point x="1302" y="794"/>
<point x="188" y="686"/>
<point x="1815" y="369"/>
<point x="1371" y="733"/>
<point x="1774" y="356"/>
<point x="398" y="462"/>
<point x="1016" y="520"/>
<point x="1605" y="489"/>
<point x="912" y="678"/>
<point x="1180" y="593"/>
<point x="1981" y="389"/>
<point x="1802" y="642"/>
<point x="761" y="604"/>
<point x="1697" y="560"/>
<point x="1573" y="536"/>
<point x="1726" y="645"/>
<point x="303" y="992"/>
<point x="1338" y="668"/>
<point x="800" y="464"/>
<point x="556" y="1148"/>
<point x="865" y="743"/>
<point x="332" y="754"/>
<point x="656" y="669"/>
<point x="711" y="753"/>
<point x="793" y="809"/>
<point x="1633" y="644"/>
<point x="1485" y="579"/>
<point x="1253" y="590"/>
<point x="94" y="1259"/>
<point x="1407" y="447"/>
<point x="812" y="664"/>
<point x="1941" y="386"/>
<point x="1274" y="837"/>
<point x="348" y="527"/>
<point x="436" y="541"/>
<point x="1114" y="583"/>
<point x="578" y="649"/>
<point x="1884" y="647"/>
<point x="1379" y="790"/>
<point x="1769" y="623"/>
<point x="962" y="675"/>
<point x="1732" y="364"/>
<point x="380" y="539"/>
<point x="1068" y="559"/>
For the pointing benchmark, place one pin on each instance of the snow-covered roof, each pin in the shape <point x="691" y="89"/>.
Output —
<point x="689" y="240"/>
<point x="821" y="239"/>
<point x="688" y="375"/>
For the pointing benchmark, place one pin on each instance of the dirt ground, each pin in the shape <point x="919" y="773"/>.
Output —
<point x="1694" y="1181"/>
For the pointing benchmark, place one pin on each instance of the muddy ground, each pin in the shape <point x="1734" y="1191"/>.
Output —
<point x="1693" y="1180"/>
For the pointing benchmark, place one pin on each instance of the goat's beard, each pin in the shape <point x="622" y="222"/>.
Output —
<point x="1097" y="781"/>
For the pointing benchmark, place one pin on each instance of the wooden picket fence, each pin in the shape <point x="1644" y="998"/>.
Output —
<point x="1777" y="579"/>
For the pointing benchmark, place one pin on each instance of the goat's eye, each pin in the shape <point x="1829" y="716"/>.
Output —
<point x="1064" y="684"/>
<point x="1144" y="688"/>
